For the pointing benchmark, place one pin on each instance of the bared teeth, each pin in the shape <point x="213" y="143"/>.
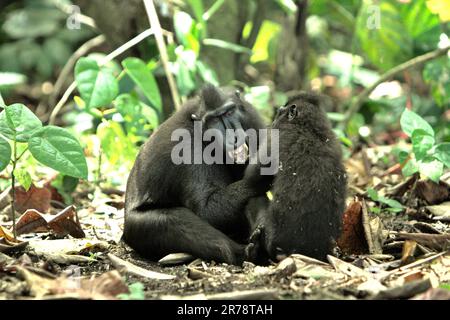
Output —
<point x="240" y="154"/>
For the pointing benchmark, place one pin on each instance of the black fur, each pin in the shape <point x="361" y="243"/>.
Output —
<point x="191" y="208"/>
<point x="309" y="189"/>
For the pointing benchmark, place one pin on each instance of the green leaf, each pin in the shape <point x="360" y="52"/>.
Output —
<point x="136" y="292"/>
<point x="113" y="138"/>
<point x="136" y="113"/>
<point x="382" y="35"/>
<point x="5" y="153"/>
<point x="227" y="45"/>
<point x="261" y="50"/>
<point x="442" y="153"/>
<point x="33" y="22"/>
<point x="142" y="76"/>
<point x="411" y="121"/>
<point x="97" y="86"/>
<point x="373" y="194"/>
<point x="431" y="168"/>
<point x="24" y="178"/>
<point x="18" y="122"/>
<point x="421" y="24"/>
<point x="422" y="143"/>
<point x="58" y="149"/>
<point x="410" y="168"/>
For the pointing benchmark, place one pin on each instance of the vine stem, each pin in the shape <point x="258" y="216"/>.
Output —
<point x="354" y="108"/>
<point x="13" y="191"/>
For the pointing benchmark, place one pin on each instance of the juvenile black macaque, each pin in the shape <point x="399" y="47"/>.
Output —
<point x="193" y="208"/>
<point x="309" y="189"/>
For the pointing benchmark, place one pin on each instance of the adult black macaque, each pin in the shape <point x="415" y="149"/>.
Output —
<point x="193" y="208"/>
<point x="305" y="214"/>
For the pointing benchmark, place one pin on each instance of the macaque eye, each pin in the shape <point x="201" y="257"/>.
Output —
<point x="292" y="113"/>
<point x="229" y="113"/>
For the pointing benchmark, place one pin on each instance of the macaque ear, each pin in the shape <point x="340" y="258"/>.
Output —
<point x="292" y="113"/>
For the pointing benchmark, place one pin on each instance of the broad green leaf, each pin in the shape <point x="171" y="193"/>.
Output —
<point x="442" y="152"/>
<point x="5" y="153"/>
<point x="418" y="18"/>
<point x="24" y="178"/>
<point x="422" y="143"/>
<point x="97" y="86"/>
<point x="58" y="149"/>
<point x="382" y="35"/>
<point x="226" y="45"/>
<point x="410" y="168"/>
<point x="411" y="121"/>
<point x="143" y="77"/>
<point x="18" y="122"/>
<point x="431" y="168"/>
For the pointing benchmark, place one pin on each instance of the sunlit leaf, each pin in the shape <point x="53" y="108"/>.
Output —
<point x="18" y="122"/>
<point x="431" y="168"/>
<point x="113" y="138"/>
<point x="24" y="178"/>
<point x="411" y="121"/>
<point x="58" y="149"/>
<point x="97" y="86"/>
<point x="261" y="48"/>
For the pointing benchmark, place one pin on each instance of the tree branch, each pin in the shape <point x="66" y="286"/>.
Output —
<point x="354" y="108"/>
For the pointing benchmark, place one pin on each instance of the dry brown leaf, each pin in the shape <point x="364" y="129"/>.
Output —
<point x="31" y="221"/>
<point x="65" y="222"/>
<point x="409" y="247"/>
<point x="35" y="198"/>
<point x="352" y="240"/>
<point x="62" y="224"/>
<point x="432" y="192"/>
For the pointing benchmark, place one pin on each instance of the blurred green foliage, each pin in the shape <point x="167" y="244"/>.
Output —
<point x="351" y="44"/>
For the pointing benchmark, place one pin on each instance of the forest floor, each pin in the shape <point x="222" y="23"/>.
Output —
<point x="388" y="250"/>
